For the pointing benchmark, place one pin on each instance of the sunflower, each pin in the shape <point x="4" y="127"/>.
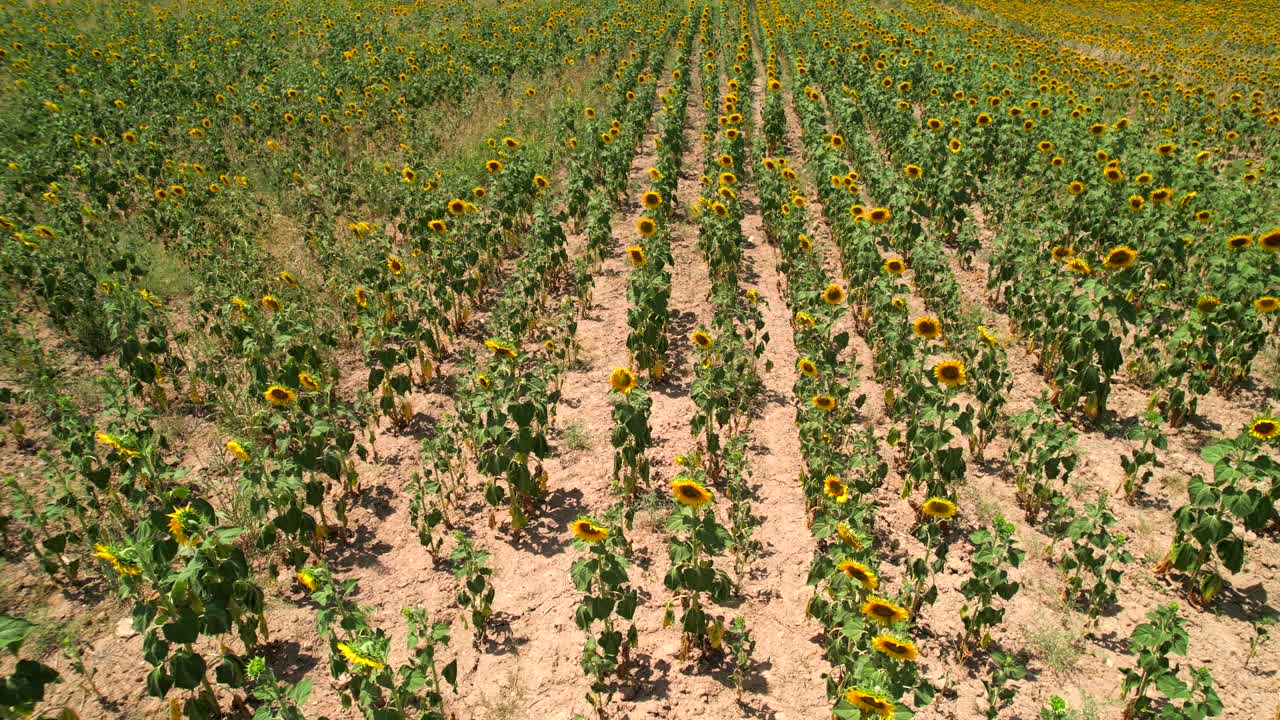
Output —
<point x="646" y="226"/>
<point x="288" y="279"/>
<point x="1121" y="257"/>
<point x="825" y="403"/>
<point x="805" y="243"/>
<point x="622" y="380"/>
<point x="728" y="178"/>
<point x="362" y="297"/>
<point x="359" y="658"/>
<point x="511" y="143"/>
<point x="955" y="146"/>
<point x="308" y="382"/>
<point x="884" y="611"/>
<point x="113" y="556"/>
<point x="900" y="303"/>
<point x="689" y="492"/>
<point x="1078" y="266"/>
<point x="701" y="339"/>
<point x="833" y="295"/>
<point x="805" y="319"/>
<point x="407" y="174"/>
<point x="438" y="226"/>
<point x="280" y="395"/>
<point x="271" y="303"/>
<point x="894" y="266"/>
<point x="725" y="160"/>
<point x="848" y="537"/>
<point x="913" y="171"/>
<point x="501" y="349"/>
<point x="107" y="439"/>
<point x="940" y="508"/>
<point x="1266" y="304"/>
<point x="1143" y="178"/>
<point x="395" y="265"/>
<point x="483" y="381"/>
<point x="1207" y="303"/>
<point x="855" y="570"/>
<point x="1113" y="174"/>
<point x="651" y="199"/>
<point x="879" y="215"/>
<point x="307" y="579"/>
<point x="1136" y="202"/>
<point x="949" y="373"/>
<point x="807" y="367"/>
<point x="901" y="650"/>
<point x="1166" y="149"/>
<point x="493" y="166"/>
<point x="457" y="206"/>
<point x="837" y="141"/>
<point x="636" y="254"/>
<point x="1264" y="428"/>
<point x="1097" y="129"/>
<point x="1271" y="241"/>
<point x="587" y="531"/>
<point x="983" y="120"/>
<point x="1161" y="195"/>
<point x="1204" y="216"/>
<point x="184" y="525"/>
<point x="1061" y="252"/>
<point x="835" y="489"/>
<point x="927" y="327"/>
<point x="1076" y="187"/>
<point x="235" y="448"/>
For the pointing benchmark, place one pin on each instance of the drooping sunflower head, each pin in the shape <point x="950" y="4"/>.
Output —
<point x="940" y="508"/>
<point x="700" y="338"/>
<point x="237" y="449"/>
<point x="1266" y="304"/>
<point x="1121" y="257"/>
<point x="835" y="489"/>
<point x="856" y="571"/>
<point x="362" y="297"/>
<point x="807" y="367"/>
<point x="270" y="302"/>
<point x="646" y="227"/>
<point x="501" y="349"/>
<point x="985" y="336"/>
<point x="185" y="525"/>
<point x="927" y="327"/>
<point x="279" y="395"/>
<point x="360" y="656"/>
<point x="901" y="650"/>
<point x="833" y="294"/>
<point x="689" y="492"/>
<point x="804" y="319"/>
<point x="622" y="380"/>
<point x="636" y="255"/>
<point x="1078" y="266"/>
<point x="308" y="382"/>
<point x="826" y="403"/>
<point x="120" y="559"/>
<point x="1207" y="303"/>
<point x="895" y="266"/>
<point x="883" y="611"/>
<point x="949" y="373"/>
<point x="288" y="279"/>
<point x="1270" y="241"/>
<point x="1062" y="252"/>
<point x="586" y="530"/>
<point x="1264" y="428"/>
<point x="307" y="578"/>
<point x="650" y="199"/>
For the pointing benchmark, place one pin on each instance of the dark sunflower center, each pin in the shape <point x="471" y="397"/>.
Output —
<point x="279" y="394"/>
<point x="882" y="611"/>
<point x="690" y="492"/>
<point x="1265" y="427"/>
<point x="950" y="372"/>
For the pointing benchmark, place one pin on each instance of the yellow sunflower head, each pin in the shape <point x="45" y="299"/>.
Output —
<point x="279" y="395"/>
<point x="586" y="530"/>
<point x="1121" y="257"/>
<point x="701" y="339"/>
<point x="826" y="403"/>
<point x="949" y="373"/>
<point x="927" y="327"/>
<point x="807" y="367"/>
<point x="855" y="570"/>
<point x="833" y="295"/>
<point x="895" y="266"/>
<point x="835" y="489"/>
<point x="941" y="508"/>
<point x="1266" y="304"/>
<point x="646" y="227"/>
<point x="622" y="380"/>
<point x="689" y="492"/>
<point x="636" y="255"/>
<point x="884" y="611"/>
<point x="901" y="650"/>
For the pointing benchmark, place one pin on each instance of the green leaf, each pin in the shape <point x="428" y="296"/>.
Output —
<point x="13" y="631"/>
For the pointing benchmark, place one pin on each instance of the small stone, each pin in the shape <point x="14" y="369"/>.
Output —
<point x="124" y="628"/>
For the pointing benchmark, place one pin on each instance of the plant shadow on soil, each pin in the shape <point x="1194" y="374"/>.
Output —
<point x="288" y="661"/>
<point x="360" y="550"/>
<point x="544" y="535"/>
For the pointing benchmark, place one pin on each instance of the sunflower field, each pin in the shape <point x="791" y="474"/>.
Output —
<point x="678" y="359"/>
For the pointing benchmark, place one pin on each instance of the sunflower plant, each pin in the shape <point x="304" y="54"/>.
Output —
<point x="697" y="538"/>
<point x="631" y="436"/>
<point x="608" y="601"/>
<point x="996" y="552"/>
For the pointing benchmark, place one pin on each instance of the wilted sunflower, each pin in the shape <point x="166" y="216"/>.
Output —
<point x="855" y="570"/>
<point x="1266" y="304"/>
<point x="833" y="295"/>
<point x="927" y="327"/>
<point x="884" y="611"/>
<point x="308" y="382"/>
<point x="870" y="702"/>
<point x="804" y="319"/>
<point x="1264" y="428"/>
<point x="622" y="380"/>
<point x="894" y="266"/>
<point x="651" y="199"/>
<point x="879" y="215"/>
<point x="362" y="658"/>
<point x="116" y="558"/>
<point x="112" y="441"/>
<point x="807" y="367"/>
<point x="280" y="395"/>
<point x="1271" y="241"/>
<point x="1121" y="257"/>
<point x="949" y="373"/>
<point x="646" y="226"/>
<point x="587" y="531"/>
<point x="185" y="525"/>
<point x="271" y="303"/>
<point x="824" y="402"/>
<point x="835" y="489"/>
<point x="689" y="492"/>
<point x="701" y="339"/>
<point x="985" y="336"/>
<point x="635" y="253"/>
<point x="941" y="508"/>
<point x="236" y="449"/>
<point x="901" y="650"/>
